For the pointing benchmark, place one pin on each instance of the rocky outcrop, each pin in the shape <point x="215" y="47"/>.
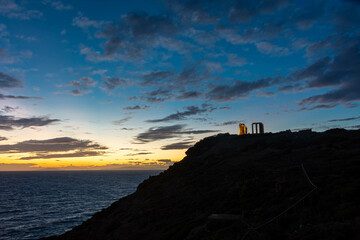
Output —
<point x="285" y="185"/>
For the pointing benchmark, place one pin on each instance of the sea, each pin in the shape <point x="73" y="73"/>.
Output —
<point x="41" y="204"/>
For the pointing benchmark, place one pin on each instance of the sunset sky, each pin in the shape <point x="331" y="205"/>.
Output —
<point x="133" y="84"/>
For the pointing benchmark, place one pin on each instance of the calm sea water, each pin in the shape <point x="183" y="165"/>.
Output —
<point x="39" y="204"/>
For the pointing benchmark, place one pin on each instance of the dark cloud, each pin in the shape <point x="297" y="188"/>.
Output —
<point x="243" y="11"/>
<point x="192" y="74"/>
<point x="345" y="119"/>
<point x="138" y="153"/>
<point x="190" y="111"/>
<point x="164" y="160"/>
<point x="185" y="95"/>
<point x="239" y="89"/>
<point x="7" y="81"/>
<point x="43" y="147"/>
<point x="122" y="121"/>
<point x="178" y="145"/>
<point x="319" y="106"/>
<point x="227" y="123"/>
<point x="341" y="72"/>
<point x="79" y="92"/>
<point x="8" y="109"/>
<point x="155" y="77"/>
<point x="271" y="49"/>
<point x="113" y="83"/>
<point x="167" y="132"/>
<point x="82" y="86"/>
<point x="198" y="12"/>
<point x="136" y="107"/>
<point x="3" y="138"/>
<point x="64" y="155"/>
<point x="84" y="82"/>
<point x="189" y="75"/>
<point x="10" y="122"/>
<point x="3" y="97"/>
<point x="134" y="31"/>
<point x="127" y="129"/>
<point x="159" y="95"/>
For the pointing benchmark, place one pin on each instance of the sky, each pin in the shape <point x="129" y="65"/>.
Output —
<point x="105" y="85"/>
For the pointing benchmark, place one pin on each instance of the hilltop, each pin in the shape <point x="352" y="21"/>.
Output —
<point x="284" y="185"/>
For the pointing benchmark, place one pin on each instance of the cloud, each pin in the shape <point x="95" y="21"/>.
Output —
<point x="10" y="9"/>
<point x="85" y="23"/>
<point x="239" y="89"/>
<point x="271" y="49"/>
<point x="10" y="122"/>
<point x="3" y="97"/>
<point x="196" y="12"/>
<point x="85" y="82"/>
<point x="45" y="148"/>
<point x="167" y="132"/>
<point x="185" y="95"/>
<point x="178" y="145"/>
<point x="136" y="107"/>
<point x="78" y="92"/>
<point x="155" y="77"/>
<point x="244" y="11"/>
<point x="3" y="138"/>
<point x="7" y="81"/>
<point x="340" y="72"/>
<point x="135" y="31"/>
<point x="58" y="5"/>
<point x="236" y="61"/>
<point x="158" y="95"/>
<point x="227" y="123"/>
<point x="113" y="83"/>
<point x="164" y="160"/>
<point x="82" y="86"/>
<point x="138" y="154"/>
<point x="122" y="121"/>
<point x="3" y="33"/>
<point x="8" y="109"/>
<point x="190" y="111"/>
<point x="64" y="155"/>
<point x="344" y="119"/>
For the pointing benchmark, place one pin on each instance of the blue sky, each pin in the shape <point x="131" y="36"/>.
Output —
<point x="133" y="84"/>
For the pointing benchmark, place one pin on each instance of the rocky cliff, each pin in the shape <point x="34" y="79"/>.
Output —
<point x="285" y="185"/>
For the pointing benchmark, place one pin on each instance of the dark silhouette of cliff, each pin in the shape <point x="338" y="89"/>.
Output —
<point x="301" y="185"/>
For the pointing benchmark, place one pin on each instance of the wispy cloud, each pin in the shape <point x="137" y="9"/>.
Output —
<point x="167" y="132"/>
<point x="58" y="5"/>
<point x="178" y="145"/>
<point x="11" y="122"/>
<point x="7" y="81"/>
<point x="10" y="9"/>
<point x="121" y="121"/>
<point x="190" y="111"/>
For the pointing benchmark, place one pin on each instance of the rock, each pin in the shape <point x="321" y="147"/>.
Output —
<point x="252" y="177"/>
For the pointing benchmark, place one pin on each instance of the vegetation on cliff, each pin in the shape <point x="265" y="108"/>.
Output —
<point x="285" y="185"/>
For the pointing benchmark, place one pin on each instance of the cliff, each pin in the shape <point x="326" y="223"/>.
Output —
<point x="274" y="186"/>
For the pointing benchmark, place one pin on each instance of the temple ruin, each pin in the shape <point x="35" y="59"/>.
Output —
<point x="256" y="128"/>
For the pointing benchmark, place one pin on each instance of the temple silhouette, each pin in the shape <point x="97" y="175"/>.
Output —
<point x="256" y="128"/>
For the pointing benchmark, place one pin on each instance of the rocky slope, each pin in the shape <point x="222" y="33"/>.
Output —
<point x="259" y="181"/>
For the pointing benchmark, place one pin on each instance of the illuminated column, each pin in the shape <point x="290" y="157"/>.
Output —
<point x="242" y="129"/>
